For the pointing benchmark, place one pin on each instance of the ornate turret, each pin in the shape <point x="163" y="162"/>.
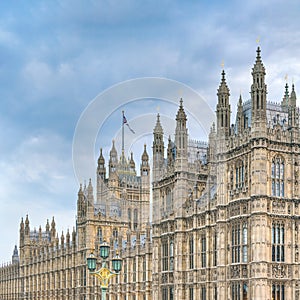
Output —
<point x="181" y="135"/>
<point x="286" y="98"/>
<point x="293" y="98"/>
<point x="53" y="230"/>
<point x="171" y="152"/>
<point x="101" y="171"/>
<point x="240" y="116"/>
<point x="145" y="163"/>
<point x="113" y="159"/>
<point x="27" y="228"/>
<point x="158" y="148"/>
<point x="258" y="94"/>
<point x="15" y="256"/>
<point x="131" y="163"/>
<point x="293" y="115"/>
<point x="223" y="107"/>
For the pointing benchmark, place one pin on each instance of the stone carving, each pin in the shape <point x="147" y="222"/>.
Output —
<point x="235" y="271"/>
<point x="278" y="271"/>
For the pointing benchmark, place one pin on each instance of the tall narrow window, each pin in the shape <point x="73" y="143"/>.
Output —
<point x="215" y="250"/>
<point x="239" y="174"/>
<point x="278" y="291"/>
<point x="171" y="293"/>
<point x="165" y="256"/>
<point x="277" y="177"/>
<point x="203" y="293"/>
<point x="135" y="218"/>
<point x="129" y="217"/>
<point x="164" y="293"/>
<point x="134" y="271"/>
<point x="191" y="292"/>
<point x="171" y="255"/>
<point x="235" y="243"/>
<point x="245" y="291"/>
<point x="235" y="291"/>
<point x="191" y="252"/>
<point x="278" y="242"/>
<point x="144" y="269"/>
<point x="203" y="251"/>
<point x="99" y="235"/>
<point x="245" y="242"/>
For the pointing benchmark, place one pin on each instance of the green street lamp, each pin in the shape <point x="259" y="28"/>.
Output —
<point x="104" y="274"/>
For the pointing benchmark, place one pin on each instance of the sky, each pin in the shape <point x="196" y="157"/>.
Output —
<point x="68" y="68"/>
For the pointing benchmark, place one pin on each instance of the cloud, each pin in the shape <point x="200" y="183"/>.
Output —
<point x="36" y="178"/>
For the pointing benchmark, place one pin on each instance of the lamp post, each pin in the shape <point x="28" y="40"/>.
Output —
<point x="104" y="274"/>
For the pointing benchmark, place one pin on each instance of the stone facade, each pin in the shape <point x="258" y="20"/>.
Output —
<point x="225" y="215"/>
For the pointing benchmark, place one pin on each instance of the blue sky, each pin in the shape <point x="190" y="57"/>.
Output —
<point x="57" y="56"/>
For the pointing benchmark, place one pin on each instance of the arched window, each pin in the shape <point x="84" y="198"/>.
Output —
<point x="135" y="218"/>
<point x="277" y="175"/>
<point x="115" y="233"/>
<point x="278" y="242"/>
<point x="245" y="242"/>
<point x="239" y="174"/>
<point x="129" y="217"/>
<point x="171" y="255"/>
<point x="191" y="252"/>
<point x="99" y="235"/>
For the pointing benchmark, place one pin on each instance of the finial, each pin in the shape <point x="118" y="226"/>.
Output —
<point x="222" y="64"/>
<point x="258" y="53"/>
<point x="286" y="78"/>
<point x="258" y="40"/>
<point x="181" y="101"/>
<point x="223" y="76"/>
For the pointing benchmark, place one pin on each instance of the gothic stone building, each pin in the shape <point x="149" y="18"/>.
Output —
<point x="225" y="215"/>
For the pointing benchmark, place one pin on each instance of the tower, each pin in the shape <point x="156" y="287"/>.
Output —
<point x="145" y="190"/>
<point x="158" y="161"/>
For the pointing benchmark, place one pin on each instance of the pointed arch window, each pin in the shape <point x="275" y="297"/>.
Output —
<point x="277" y="176"/>
<point x="191" y="252"/>
<point x="135" y="218"/>
<point x="278" y="235"/>
<point x="239" y="174"/>
<point x="99" y="235"/>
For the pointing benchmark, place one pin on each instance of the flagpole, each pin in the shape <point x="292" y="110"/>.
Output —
<point x="122" y="133"/>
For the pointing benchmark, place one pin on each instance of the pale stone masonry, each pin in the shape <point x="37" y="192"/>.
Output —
<point x="225" y="214"/>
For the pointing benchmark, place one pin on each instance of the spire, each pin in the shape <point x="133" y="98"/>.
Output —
<point x="145" y="162"/>
<point x="181" y="116"/>
<point x="53" y="230"/>
<point x="27" y="225"/>
<point x="145" y="156"/>
<point x="240" y="116"/>
<point x="131" y="162"/>
<point x="171" y="153"/>
<point x="113" y="159"/>
<point x="258" y="94"/>
<point x="158" y="148"/>
<point x="90" y="193"/>
<point x="47" y="226"/>
<point x="223" y="107"/>
<point x="286" y="97"/>
<point x="74" y="237"/>
<point x="181" y="135"/>
<point x="68" y="237"/>
<point x="15" y="256"/>
<point x="293" y="98"/>
<point x="158" y="127"/>
<point x="101" y="160"/>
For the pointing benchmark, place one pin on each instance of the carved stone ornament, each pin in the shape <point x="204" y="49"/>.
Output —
<point x="278" y="271"/>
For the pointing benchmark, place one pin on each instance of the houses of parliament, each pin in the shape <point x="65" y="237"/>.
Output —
<point x="225" y="214"/>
